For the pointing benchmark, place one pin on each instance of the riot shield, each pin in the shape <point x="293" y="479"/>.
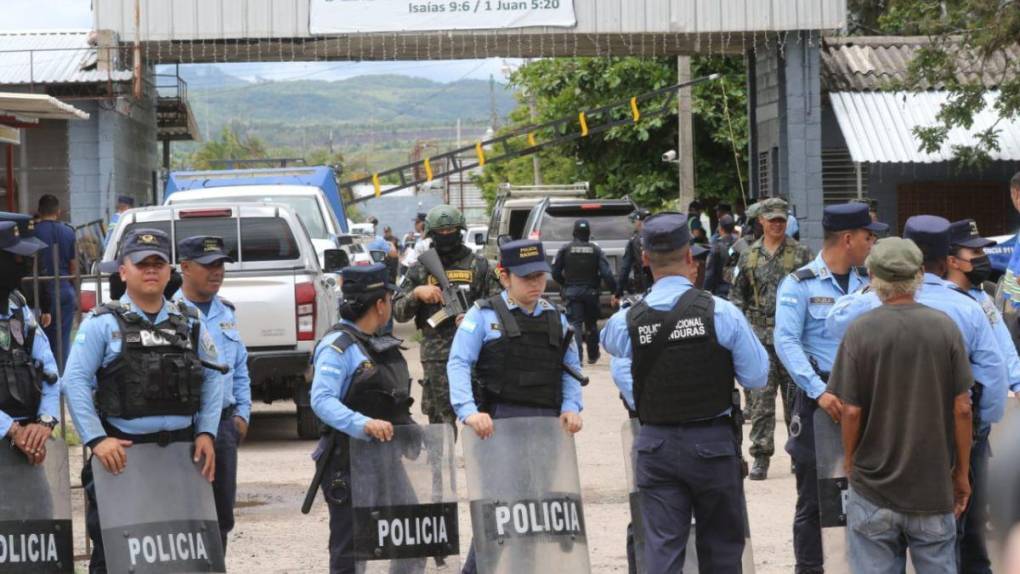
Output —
<point x="35" y="511"/>
<point x="832" y="492"/>
<point x="526" y="511"/>
<point x="629" y="433"/>
<point x="158" y="515"/>
<point x="404" y="502"/>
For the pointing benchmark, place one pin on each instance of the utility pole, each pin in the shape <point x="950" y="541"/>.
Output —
<point x="536" y="165"/>
<point x="685" y="141"/>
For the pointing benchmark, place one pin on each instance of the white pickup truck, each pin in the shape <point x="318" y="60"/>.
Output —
<point x="284" y="301"/>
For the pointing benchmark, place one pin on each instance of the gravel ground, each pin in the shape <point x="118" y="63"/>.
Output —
<point x="273" y="536"/>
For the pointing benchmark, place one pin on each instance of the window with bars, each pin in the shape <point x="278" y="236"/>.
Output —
<point x="765" y="174"/>
<point x="840" y="177"/>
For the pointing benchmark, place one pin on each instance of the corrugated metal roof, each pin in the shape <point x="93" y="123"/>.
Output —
<point x="52" y="58"/>
<point x="878" y="126"/>
<point x="34" y="107"/>
<point x="872" y="63"/>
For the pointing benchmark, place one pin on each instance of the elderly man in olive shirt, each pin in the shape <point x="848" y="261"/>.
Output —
<point x="903" y="373"/>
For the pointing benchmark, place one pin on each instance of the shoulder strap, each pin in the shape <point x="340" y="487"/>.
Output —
<point x="555" y="325"/>
<point x="187" y="310"/>
<point x="228" y="304"/>
<point x="510" y="327"/>
<point x="113" y="307"/>
<point x="684" y="303"/>
<point x="804" y="273"/>
<point x="752" y="264"/>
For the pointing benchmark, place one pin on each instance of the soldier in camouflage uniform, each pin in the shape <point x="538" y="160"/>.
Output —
<point x="759" y="272"/>
<point x="420" y="297"/>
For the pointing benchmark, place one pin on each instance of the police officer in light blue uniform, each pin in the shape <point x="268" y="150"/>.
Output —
<point x="29" y="390"/>
<point x="202" y="259"/>
<point x="515" y="343"/>
<point x="931" y="234"/>
<point x="124" y="203"/>
<point x="968" y="268"/>
<point x="120" y="347"/>
<point x="807" y="351"/>
<point x="675" y="355"/>
<point x="360" y="389"/>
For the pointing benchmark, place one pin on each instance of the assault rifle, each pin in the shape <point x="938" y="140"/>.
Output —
<point x="455" y="301"/>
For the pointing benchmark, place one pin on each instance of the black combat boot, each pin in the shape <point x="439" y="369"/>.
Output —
<point x="760" y="468"/>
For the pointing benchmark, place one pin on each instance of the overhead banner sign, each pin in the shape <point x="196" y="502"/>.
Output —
<point x="360" y="16"/>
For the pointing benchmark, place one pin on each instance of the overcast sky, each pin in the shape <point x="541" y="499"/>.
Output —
<point x="22" y="15"/>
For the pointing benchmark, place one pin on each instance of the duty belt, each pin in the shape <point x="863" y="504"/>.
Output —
<point x="162" y="438"/>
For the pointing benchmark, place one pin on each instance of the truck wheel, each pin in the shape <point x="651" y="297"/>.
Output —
<point x="307" y="423"/>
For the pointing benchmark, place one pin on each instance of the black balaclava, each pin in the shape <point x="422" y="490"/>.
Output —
<point x="447" y="244"/>
<point x="12" y="270"/>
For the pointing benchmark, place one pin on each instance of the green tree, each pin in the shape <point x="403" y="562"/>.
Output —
<point x="626" y="160"/>
<point x="967" y="54"/>
<point x="229" y="145"/>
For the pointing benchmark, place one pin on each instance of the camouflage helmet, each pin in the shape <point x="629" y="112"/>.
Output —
<point x="442" y="216"/>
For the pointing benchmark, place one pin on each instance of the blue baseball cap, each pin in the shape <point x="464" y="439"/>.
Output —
<point x="523" y="257"/>
<point x="11" y="240"/>
<point x="666" y="231"/>
<point x="358" y="280"/>
<point x="126" y="200"/>
<point x="203" y="249"/>
<point x="847" y="216"/>
<point x="964" y="233"/>
<point x="142" y="243"/>
<point x="930" y="233"/>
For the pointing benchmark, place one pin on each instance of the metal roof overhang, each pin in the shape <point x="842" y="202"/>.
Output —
<point x="879" y="126"/>
<point x="22" y="109"/>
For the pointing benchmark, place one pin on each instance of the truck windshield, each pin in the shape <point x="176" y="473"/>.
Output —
<point x="306" y="207"/>
<point x="264" y="238"/>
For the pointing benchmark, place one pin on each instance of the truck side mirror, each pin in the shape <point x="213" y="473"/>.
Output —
<point x="335" y="260"/>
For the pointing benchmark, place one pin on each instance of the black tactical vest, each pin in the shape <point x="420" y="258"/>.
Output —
<point x="158" y="371"/>
<point x="692" y="377"/>
<point x="381" y="387"/>
<point x="581" y="264"/>
<point x="524" y="365"/>
<point x="20" y="379"/>
<point x="466" y="272"/>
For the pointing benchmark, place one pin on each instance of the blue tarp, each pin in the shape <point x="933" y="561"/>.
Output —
<point x="1001" y="253"/>
<point x="320" y="177"/>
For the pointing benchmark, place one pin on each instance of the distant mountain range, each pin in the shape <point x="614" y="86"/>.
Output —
<point x="374" y="121"/>
<point x="390" y="100"/>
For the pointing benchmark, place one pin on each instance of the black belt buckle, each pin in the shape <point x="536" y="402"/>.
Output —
<point x="164" y="438"/>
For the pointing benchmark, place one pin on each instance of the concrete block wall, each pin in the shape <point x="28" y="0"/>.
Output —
<point x="800" y="142"/>
<point x="112" y="153"/>
<point x="85" y="178"/>
<point x="47" y="171"/>
<point x="786" y="115"/>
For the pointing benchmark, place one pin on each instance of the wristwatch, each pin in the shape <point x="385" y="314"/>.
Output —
<point x="47" y="420"/>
